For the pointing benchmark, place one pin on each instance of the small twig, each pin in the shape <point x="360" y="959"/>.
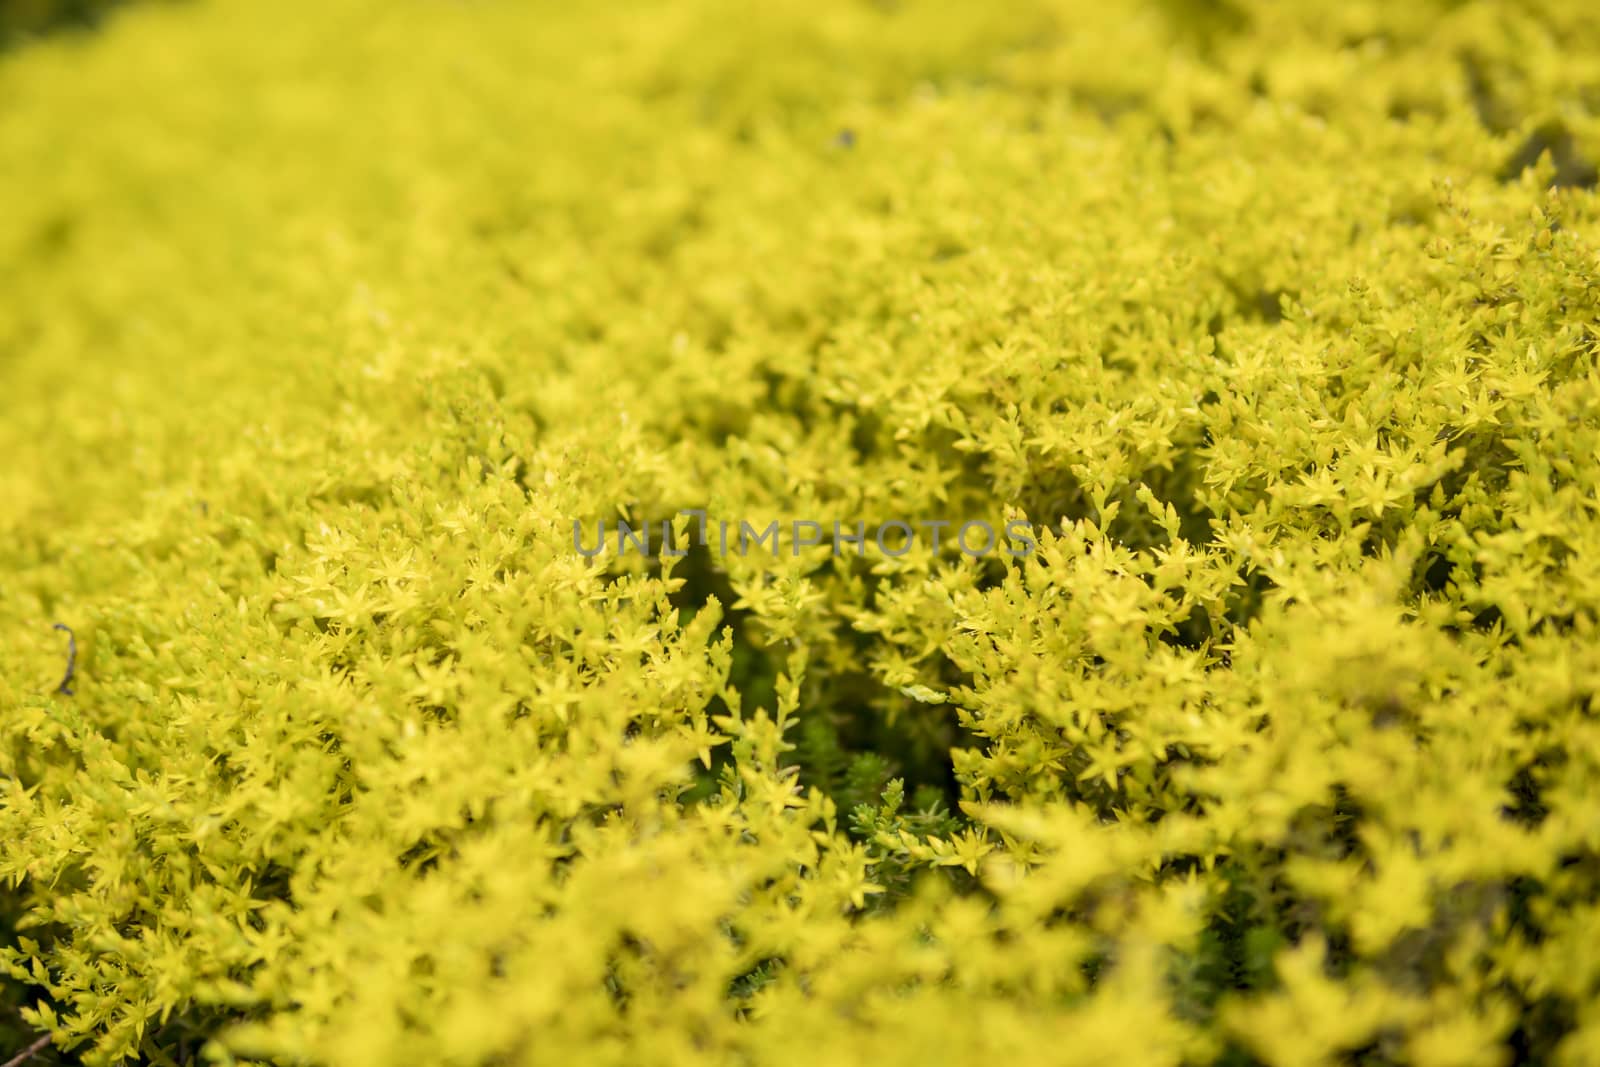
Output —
<point x="28" y="1053"/>
<point x="65" y="688"/>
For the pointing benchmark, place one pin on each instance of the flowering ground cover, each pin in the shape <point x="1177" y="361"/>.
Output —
<point x="331" y="331"/>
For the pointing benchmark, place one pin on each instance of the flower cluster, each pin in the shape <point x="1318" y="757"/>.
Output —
<point x="1273" y="325"/>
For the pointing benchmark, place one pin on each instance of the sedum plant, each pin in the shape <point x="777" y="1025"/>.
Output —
<point x="322" y="325"/>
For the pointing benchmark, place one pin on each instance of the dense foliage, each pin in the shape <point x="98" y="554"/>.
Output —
<point x="323" y="321"/>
